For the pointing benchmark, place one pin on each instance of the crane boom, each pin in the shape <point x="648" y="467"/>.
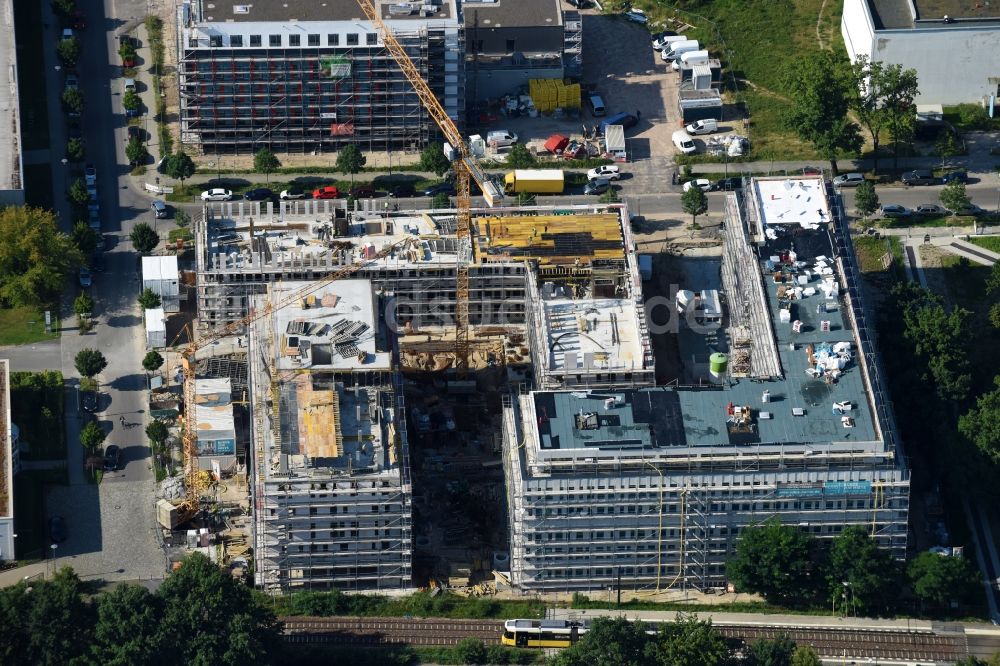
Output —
<point x="189" y="507"/>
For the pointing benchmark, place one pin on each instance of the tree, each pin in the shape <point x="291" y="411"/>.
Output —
<point x="35" y="257"/>
<point x="866" y="199"/>
<point x="941" y="579"/>
<point x="689" y="642"/>
<point x="180" y="166"/>
<point x="608" y="642"/>
<point x="84" y="238"/>
<point x="72" y="100"/>
<point x="77" y="193"/>
<point x="900" y="88"/>
<point x="149" y="299"/>
<point x="695" y="203"/>
<point x="497" y="654"/>
<point x="773" y="560"/>
<point x="520" y="157"/>
<point x="866" y="100"/>
<point x="144" y="238"/>
<point x="947" y="145"/>
<point x="772" y="651"/>
<point x="471" y="651"/>
<point x="350" y="160"/>
<point x="440" y="200"/>
<point x="135" y="151"/>
<point x="821" y="89"/>
<point x="83" y="306"/>
<point x="42" y="622"/>
<point x="127" y="629"/>
<point x="75" y="150"/>
<point x="609" y="197"/>
<point x="213" y="619"/>
<point x="938" y="336"/>
<point x="92" y="436"/>
<point x="126" y="51"/>
<point x="157" y="432"/>
<point x="266" y="162"/>
<point x="432" y="158"/>
<point x="181" y="218"/>
<point x="89" y="362"/>
<point x="152" y="361"/>
<point x="806" y="656"/>
<point x="994" y="314"/>
<point x="981" y="424"/>
<point x="131" y="101"/>
<point x="859" y="574"/>
<point x="64" y="7"/>
<point x="954" y="197"/>
<point x="68" y="51"/>
<point x="993" y="280"/>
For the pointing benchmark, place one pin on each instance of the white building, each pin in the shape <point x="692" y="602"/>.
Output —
<point x="160" y="275"/>
<point x="8" y="453"/>
<point x="957" y="60"/>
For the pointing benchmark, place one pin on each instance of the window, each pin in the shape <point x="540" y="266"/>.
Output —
<point x="274" y="40"/>
<point x="295" y="40"/>
<point x="236" y="40"/>
<point x="254" y="40"/>
<point x="313" y="40"/>
<point x="352" y="39"/>
<point x="371" y="39"/>
<point x="333" y="40"/>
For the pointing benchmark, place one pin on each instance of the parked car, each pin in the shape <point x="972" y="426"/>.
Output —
<point x="919" y="177"/>
<point x="971" y="209"/>
<point x="92" y="191"/>
<point x="403" y="190"/>
<point x="728" y="184"/>
<point x="955" y="176"/>
<point x="609" y="171"/>
<point x="501" y="138"/>
<point x="659" y="38"/>
<point x="85" y="278"/>
<point x="94" y="219"/>
<point x="363" y="192"/>
<point x="637" y="16"/>
<point x="72" y="83"/>
<point x="89" y="401"/>
<point x="293" y="193"/>
<point x="112" y="457"/>
<point x="327" y="192"/>
<point x="706" y="126"/>
<point x="579" y="4"/>
<point x="216" y="194"/>
<point x="443" y="188"/>
<point x="258" y="194"/>
<point x="597" y="186"/>
<point x="929" y="209"/>
<point x="129" y="85"/>
<point x="158" y="207"/>
<point x="135" y="132"/>
<point x="704" y="184"/>
<point x="57" y="529"/>
<point x="849" y="180"/>
<point x="895" y="210"/>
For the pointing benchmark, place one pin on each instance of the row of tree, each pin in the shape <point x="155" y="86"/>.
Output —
<point x="830" y="93"/>
<point x="788" y="566"/>
<point x="199" y="615"/>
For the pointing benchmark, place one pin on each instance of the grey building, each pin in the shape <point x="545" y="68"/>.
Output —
<point x="781" y="413"/>
<point x="510" y="42"/>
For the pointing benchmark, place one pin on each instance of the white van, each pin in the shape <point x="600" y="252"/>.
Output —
<point x="596" y="106"/>
<point x="699" y="57"/>
<point x="677" y="49"/>
<point x="665" y="42"/>
<point x="706" y="126"/>
<point x="501" y="138"/>
<point x="684" y="142"/>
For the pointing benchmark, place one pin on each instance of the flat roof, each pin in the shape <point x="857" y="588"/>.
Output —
<point x="333" y="327"/>
<point x="800" y="201"/>
<point x="591" y="333"/>
<point x="160" y="268"/>
<point x="512" y="13"/>
<point x="896" y="14"/>
<point x="551" y="239"/>
<point x="215" y="410"/>
<point x="11" y="177"/>
<point x="297" y="11"/>
<point x="156" y="320"/>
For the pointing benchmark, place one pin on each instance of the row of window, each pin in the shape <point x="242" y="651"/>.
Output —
<point x="332" y="39"/>
<point x="652" y="505"/>
<point x="614" y="571"/>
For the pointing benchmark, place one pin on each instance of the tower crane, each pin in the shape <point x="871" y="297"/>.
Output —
<point x="189" y="506"/>
<point x="465" y="167"/>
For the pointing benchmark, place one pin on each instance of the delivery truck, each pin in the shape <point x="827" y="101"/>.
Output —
<point x="534" y="181"/>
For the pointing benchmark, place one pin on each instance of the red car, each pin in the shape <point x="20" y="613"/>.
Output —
<point x="328" y="192"/>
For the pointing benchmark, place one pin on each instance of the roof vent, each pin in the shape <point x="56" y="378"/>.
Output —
<point x="241" y="9"/>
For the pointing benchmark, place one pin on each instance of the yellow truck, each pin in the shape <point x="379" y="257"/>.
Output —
<point x="534" y="181"/>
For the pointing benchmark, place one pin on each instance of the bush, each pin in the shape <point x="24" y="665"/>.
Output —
<point x="471" y="651"/>
<point x="973" y="117"/>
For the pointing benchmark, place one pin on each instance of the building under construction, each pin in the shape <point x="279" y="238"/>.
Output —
<point x="781" y="413"/>
<point x="310" y="77"/>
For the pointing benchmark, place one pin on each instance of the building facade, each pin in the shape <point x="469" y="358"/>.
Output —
<point x="305" y="77"/>
<point x="784" y="415"/>
<point x="956" y="60"/>
<point x="8" y="465"/>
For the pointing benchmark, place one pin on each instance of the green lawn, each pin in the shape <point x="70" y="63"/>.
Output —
<point x="19" y="326"/>
<point x="31" y="74"/>
<point x="870" y="251"/>
<point x="991" y="243"/>
<point x="928" y="221"/>
<point x="37" y="407"/>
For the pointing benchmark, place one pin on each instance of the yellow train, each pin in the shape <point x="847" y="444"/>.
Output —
<point x="541" y="633"/>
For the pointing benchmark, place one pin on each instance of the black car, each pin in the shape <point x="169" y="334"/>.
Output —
<point x="402" y="190"/>
<point x="57" y="529"/>
<point x="919" y="177"/>
<point x="137" y="133"/>
<point x="363" y="192"/>
<point x="955" y="176"/>
<point x="728" y="184"/>
<point x="258" y="194"/>
<point x="89" y="400"/>
<point x="443" y="188"/>
<point x="112" y="458"/>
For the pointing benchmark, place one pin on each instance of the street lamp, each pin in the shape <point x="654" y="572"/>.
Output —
<point x="52" y="558"/>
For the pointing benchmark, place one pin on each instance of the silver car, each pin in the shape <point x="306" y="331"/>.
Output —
<point x="158" y="207"/>
<point x="216" y="194"/>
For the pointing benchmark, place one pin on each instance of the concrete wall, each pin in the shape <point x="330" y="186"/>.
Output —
<point x="497" y="82"/>
<point x="857" y="29"/>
